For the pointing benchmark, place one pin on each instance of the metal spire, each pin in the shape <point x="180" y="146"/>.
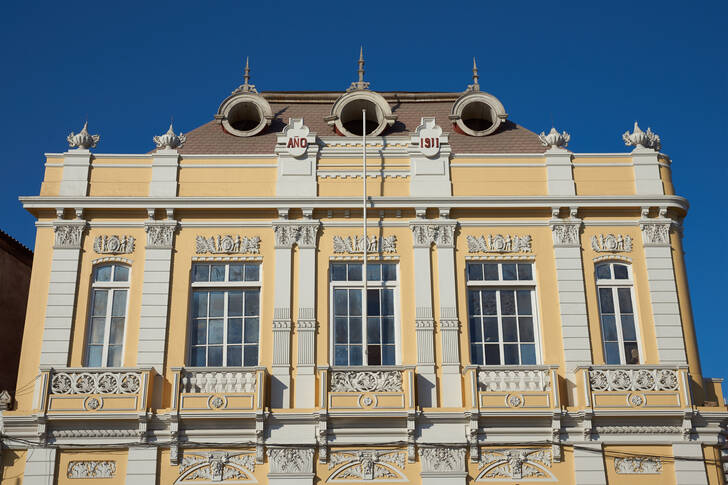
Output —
<point x="246" y="75"/>
<point x="475" y="86"/>
<point x="246" y="87"/>
<point x="360" y="84"/>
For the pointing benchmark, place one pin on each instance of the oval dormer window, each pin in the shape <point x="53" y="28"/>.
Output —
<point x="346" y="114"/>
<point x="477" y="113"/>
<point x="245" y="114"/>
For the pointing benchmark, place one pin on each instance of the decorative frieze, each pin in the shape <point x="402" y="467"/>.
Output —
<point x="160" y="233"/>
<point x="616" y="243"/>
<point x="656" y="233"/>
<point x="290" y="460"/>
<point x="643" y="139"/>
<point x="499" y="243"/>
<point x="216" y="466"/>
<point x="219" y="381"/>
<point x="633" y="379"/>
<point x="96" y="382"/>
<point x="442" y="459"/>
<point x="514" y="380"/>
<point x="83" y="140"/>
<point x="515" y="463"/>
<point x="304" y="235"/>
<point x="367" y="465"/>
<point x="366" y="381"/>
<point x="68" y="234"/>
<point x="442" y="234"/>
<point x="356" y="245"/>
<point x="114" y="244"/>
<point x="638" y="465"/>
<point x="91" y="469"/>
<point x="227" y="244"/>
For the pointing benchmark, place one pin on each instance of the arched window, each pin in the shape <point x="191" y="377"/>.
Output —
<point x="617" y="313"/>
<point x="107" y="316"/>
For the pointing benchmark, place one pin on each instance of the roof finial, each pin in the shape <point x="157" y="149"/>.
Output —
<point x="83" y="140"/>
<point x="360" y="84"/>
<point x="246" y="76"/>
<point x="246" y="87"/>
<point x="475" y="86"/>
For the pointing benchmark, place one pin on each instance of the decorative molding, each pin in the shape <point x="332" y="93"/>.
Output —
<point x="288" y="234"/>
<point x="100" y="382"/>
<point x="638" y="429"/>
<point x="515" y="463"/>
<point x="656" y="233"/>
<point x="514" y="380"/>
<point x="374" y="244"/>
<point x="603" y="243"/>
<point x="442" y="234"/>
<point x="643" y="139"/>
<point x="114" y="244"/>
<point x="227" y="244"/>
<point x="206" y="381"/>
<point x="566" y="232"/>
<point x="442" y="459"/>
<point x="91" y="469"/>
<point x="633" y="379"/>
<point x="83" y="140"/>
<point x="160" y="234"/>
<point x="216" y="466"/>
<point x="498" y="243"/>
<point x="638" y="465"/>
<point x="366" y="381"/>
<point x="169" y="141"/>
<point x="94" y="433"/>
<point x="68" y="234"/>
<point x="554" y="139"/>
<point x="290" y="460"/>
<point x="367" y="465"/>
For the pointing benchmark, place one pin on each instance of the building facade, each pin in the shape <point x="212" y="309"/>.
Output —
<point x="205" y="312"/>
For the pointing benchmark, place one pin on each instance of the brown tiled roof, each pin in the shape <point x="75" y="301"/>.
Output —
<point x="210" y="138"/>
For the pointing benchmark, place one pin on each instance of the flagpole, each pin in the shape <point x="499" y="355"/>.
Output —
<point x="366" y="239"/>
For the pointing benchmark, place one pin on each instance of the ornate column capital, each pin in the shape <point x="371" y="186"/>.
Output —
<point x="160" y="234"/>
<point x="656" y="232"/>
<point x="438" y="231"/>
<point x="69" y="233"/>
<point x="566" y="232"/>
<point x="290" y="460"/>
<point x="442" y="459"/>
<point x="302" y="233"/>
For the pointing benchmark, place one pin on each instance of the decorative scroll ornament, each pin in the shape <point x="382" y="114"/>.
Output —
<point x="442" y="459"/>
<point x="498" y="243"/>
<point x="427" y="137"/>
<point x="82" y="139"/>
<point x="566" y="234"/>
<point x="91" y="469"/>
<point x="603" y="243"/>
<point x="114" y="244"/>
<point x="160" y="234"/>
<point x="638" y="464"/>
<point x="443" y="235"/>
<point x="374" y="244"/>
<point x="656" y="233"/>
<point x="367" y="465"/>
<point x="216" y="466"/>
<point x="515" y="463"/>
<point x="644" y="139"/>
<point x="366" y="381"/>
<point x="633" y="380"/>
<point x="96" y="383"/>
<point x="227" y="244"/>
<point x="304" y="235"/>
<point x="290" y="460"/>
<point x="170" y="141"/>
<point x="555" y="139"/>
<point x="68" y="236"/>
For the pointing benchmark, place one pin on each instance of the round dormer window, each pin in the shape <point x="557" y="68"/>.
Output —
<point x="346" y="114"/>
<point x="478" y="114"/>
<point x="245" y="114"/>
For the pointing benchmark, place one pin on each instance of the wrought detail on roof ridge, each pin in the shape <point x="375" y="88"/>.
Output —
<point x="555" y="139"/>
<point x="360" y="84"/>
<point x="246" y="87"/>
<point x="83" y="140"/>
<point x="169" y="140"/>
<point x="644" y="139"/>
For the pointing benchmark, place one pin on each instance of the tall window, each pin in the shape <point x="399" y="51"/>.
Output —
<point x="357" y="342"/>
<point x="616" y="311"/>
<point x="501" y="311"/>
<point x="105" y="340"/>
<point x="225" y="314"/>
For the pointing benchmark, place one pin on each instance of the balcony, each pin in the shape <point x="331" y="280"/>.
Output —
<point x="367" y="389"/>
<point x="219" y="390"/>
<point x="104" y="391"/>
<point x="636" y="387"/>
<point x="528" y="389"/>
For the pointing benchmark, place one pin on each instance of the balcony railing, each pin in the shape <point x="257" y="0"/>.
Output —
<point x="97" y="390"/>
<point x="219" y="389"/>
<point x="529" y="387"/>
<point x="635" y="386"/>
<point x="367" y="388"/>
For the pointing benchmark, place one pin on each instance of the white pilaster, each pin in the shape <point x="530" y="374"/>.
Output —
<point x="40" y="466"/>
<point x="589" y="464"/>
<point x="76" y="168"/>
<point x="296" y="163"/>
<point x="647" y="180"/>
<point x="155" y="293"/>
<point x="690" y="470"/>
<point x="559" y="171"/>
<point x="429" y="152"/>
<point x="663" y="291"/>
<point x="141" y="466"/>
<point x="305" y="396"/>
<point x="62" y="292"/>
<point x="165" y="164"/>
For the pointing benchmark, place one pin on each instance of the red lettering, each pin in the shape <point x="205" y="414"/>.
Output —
<point x="290" y="143"/>
<point x="304" y="143"/>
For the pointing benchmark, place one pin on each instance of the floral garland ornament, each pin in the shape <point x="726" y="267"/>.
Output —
<point x="367" y="465"/>
<point x="216" y="466"/>
<point x="515" y="463"/>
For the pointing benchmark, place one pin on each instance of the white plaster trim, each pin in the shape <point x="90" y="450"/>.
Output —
<point x="232" y="156"/>
<point x="121" y="165"/>
<point x="482" y="165"/>
<point x="229" y="165"/>
<point x="612" y="257"/>
<point x="498" y="155"/>
<point x="227" y="258"/>
<point x="108" y="259"/>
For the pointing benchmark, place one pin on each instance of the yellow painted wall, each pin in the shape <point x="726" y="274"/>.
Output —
<point x="603" y="180"/>
<point x="119" y="182"/>
<point x="499" y="180"/>
<point x="12" y="466"/>
<point x="227" y="182"/>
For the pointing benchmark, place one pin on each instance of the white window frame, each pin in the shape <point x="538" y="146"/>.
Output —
<point x="505" y="285"/>
<point x="613" y="284"/>
<point x="371" y="285"/>
<point x="222" y="286"/>
<point x="110" y="287"/>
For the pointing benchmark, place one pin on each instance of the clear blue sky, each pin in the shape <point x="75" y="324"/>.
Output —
<point x="591" y="67"/>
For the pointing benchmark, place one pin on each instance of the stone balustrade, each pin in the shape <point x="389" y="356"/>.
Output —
<point x="219" y="389"/>
<point x="510" y="387"/>
<point x="203" y="381"/>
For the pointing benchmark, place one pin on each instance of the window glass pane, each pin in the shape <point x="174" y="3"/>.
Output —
<point x="373" y="302"/>
<point x="374" y="272"/>
<point x="217" y="272"/>
<point x="121" y="273"/>
<point x="491" y="329"/>
<point x="252" y="303"/>
<point x="341" y="332"/>
<point x="609" y="328"/>
<point x="197" y="357"/>
<point x="510" y="332"/>
<point x="631" y="353"/>
<point x="389" y="272"/>
<point x="525" y="329"/>
<point x="476" y="331"/>
<point x="118" y="306"/>
<point x="214" y="356"/>
<point x="620" y="272"/>
<point x="605" y="299"/>
<point x="235" y="274"/>
<point x="611" y="351"/>
<point x="507" y="302"/>
<point x="624" y="295"/>
<point x="603" y="272"/>
<point x="235" y="303"/>
<point x="475" y="272"/>
<point x="338" y="272"/>
<point x="524" y="302"/>
<point x="201" y="272"/>
<point x="354" y="272"/>
<point x="388" y="354"/>
<point x="489" y="304"/>
<point x="199" y="304"/>
<point x="252" y="272"/>
<point x="525" y="272"/>
<point x="98" y="326"/>
<point x="510" y="354"/>
<point x="251" y="355"/>
<point x="252" y="330"/>
<point x="354" y="302"/>
<point x="341" y="355"/>
<point x="528" y="354"/>
<point x="116" y="332"/>
<point x="100" y="297"/>
<point x="103" y="273"/>
<point x="215" y="331"/>
<point x="355" y="330"/>
<point x="234" y="355"/>
<point x="388" y="330"/>
<point x="113" y="358"/>
<point x="217" y="303"/>
<point x="341" y="302"/>
<point x="199" y="332"/>
<point x="476" y="354"/>
<point x="355" y="355"/>
<point x="387" y="302"/>
<point x="474" y="302"/>
<point x="492" y="354"/>
<point x="235" y="330"/>
<point x="628" y="331"/>
<point x="490" y="272"/>
<point x="373" y="330"/>
<point x="374" y="356"/>
<point x="509" y="272"/>
<point x="93" y="358"/>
